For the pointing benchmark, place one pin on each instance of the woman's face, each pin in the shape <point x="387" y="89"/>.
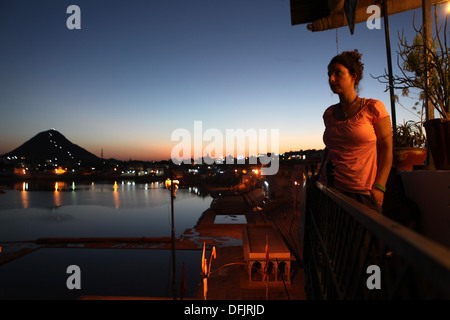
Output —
<point x="340" y="79"/>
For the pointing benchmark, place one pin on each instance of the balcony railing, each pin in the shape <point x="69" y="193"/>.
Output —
<point x="343" y="238"/>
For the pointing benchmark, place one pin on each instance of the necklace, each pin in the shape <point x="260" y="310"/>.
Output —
<point x="346" y="114"/>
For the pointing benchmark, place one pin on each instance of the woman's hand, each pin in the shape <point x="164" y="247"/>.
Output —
<point x="378" y="195"/>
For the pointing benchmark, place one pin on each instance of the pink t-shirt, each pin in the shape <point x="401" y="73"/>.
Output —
<point x="352" y="145"/>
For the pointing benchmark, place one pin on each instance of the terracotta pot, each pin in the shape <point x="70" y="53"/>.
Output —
<point x="438" y="137"/>
<point x="406" y="158"/>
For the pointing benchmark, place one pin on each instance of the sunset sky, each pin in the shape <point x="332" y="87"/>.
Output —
<point x="138" y="70"/>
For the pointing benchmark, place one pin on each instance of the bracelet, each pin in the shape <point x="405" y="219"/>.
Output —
<point x="379" y="187"/>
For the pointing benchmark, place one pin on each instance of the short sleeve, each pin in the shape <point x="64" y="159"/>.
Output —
<point x="378" y="111"/>
<point x="327" y="115"/>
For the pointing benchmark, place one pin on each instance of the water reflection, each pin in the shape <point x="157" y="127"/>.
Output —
<point x="56" y="195"/>
<point x="59" y="186"/>
<point x="24" y="195"/>
<point x="109" y="209"/>
<point x="43" y="186"/>
<point x="116" y="196"/>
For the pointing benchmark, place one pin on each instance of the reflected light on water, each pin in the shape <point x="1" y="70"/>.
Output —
<point x="56" y="194"/>
<point x="116" y="196"/>
<point x="57" y="198"/>
<point x="109" y="210"/>
<point x="24" y="195"/>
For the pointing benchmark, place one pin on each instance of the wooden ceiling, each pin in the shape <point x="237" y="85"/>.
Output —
<point x="323" y="15"/>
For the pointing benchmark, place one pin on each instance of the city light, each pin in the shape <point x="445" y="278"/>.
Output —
<point x="60" y="170"/>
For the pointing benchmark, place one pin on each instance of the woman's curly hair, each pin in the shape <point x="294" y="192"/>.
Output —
<point x="352" y="61"/>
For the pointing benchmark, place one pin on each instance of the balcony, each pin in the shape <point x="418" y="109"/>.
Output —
<point x="353" y="252"/>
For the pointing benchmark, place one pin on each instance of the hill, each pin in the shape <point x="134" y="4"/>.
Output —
<point x="52" y="146"/>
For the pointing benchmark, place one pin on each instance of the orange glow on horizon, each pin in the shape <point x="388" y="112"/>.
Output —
<point x="161" y="151"/>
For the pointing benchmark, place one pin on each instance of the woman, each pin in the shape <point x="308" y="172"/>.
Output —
<point x="357" y="135"/>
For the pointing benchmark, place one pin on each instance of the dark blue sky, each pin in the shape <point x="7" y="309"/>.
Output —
<point x="140" y="69"/>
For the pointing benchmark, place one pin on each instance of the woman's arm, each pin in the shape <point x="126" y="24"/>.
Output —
<point x="384" y="137"/>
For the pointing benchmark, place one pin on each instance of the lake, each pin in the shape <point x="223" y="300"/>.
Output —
<point x="29" y="211"/>
<point x="125" y="209"/>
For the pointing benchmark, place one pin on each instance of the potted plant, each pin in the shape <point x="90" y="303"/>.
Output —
<point x="425" y="66"/>
<point x="409" y="146"/>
